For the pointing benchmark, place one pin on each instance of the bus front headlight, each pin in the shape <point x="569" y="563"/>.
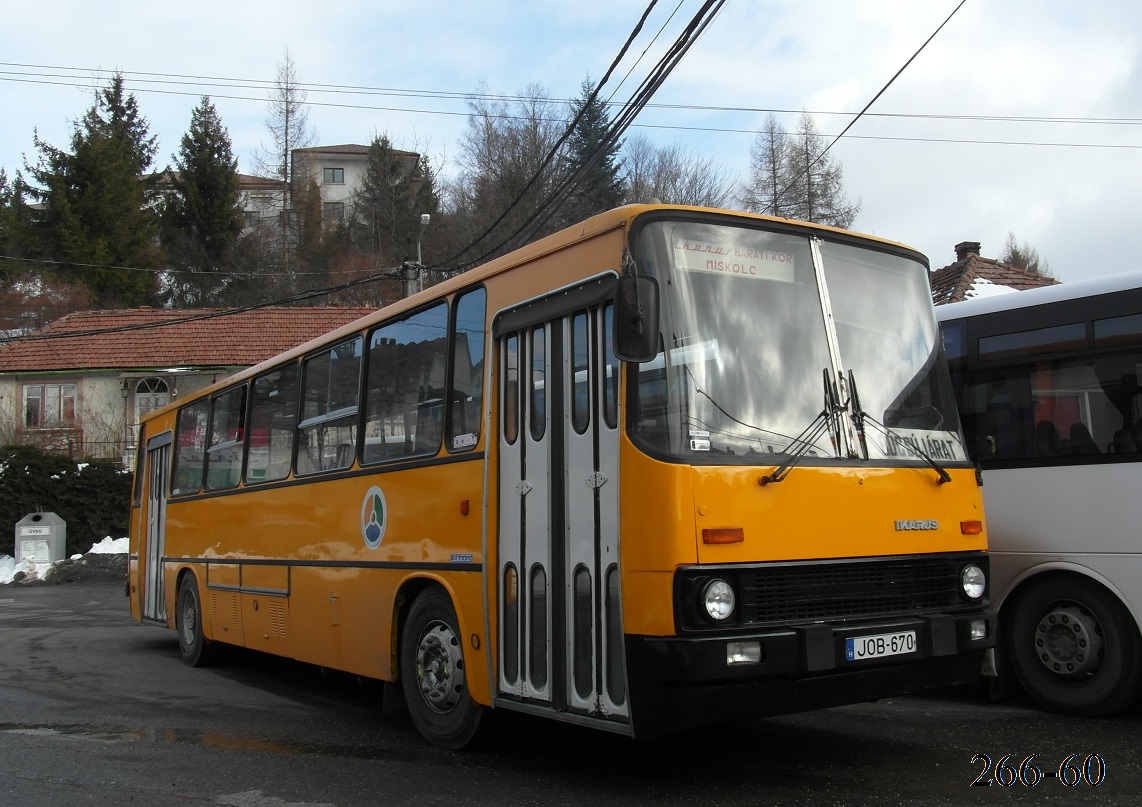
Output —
<point x="718" y="598"/>
<point x="973" y="581"/>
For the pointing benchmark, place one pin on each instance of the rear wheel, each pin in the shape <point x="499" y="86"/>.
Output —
<point x="196" y="650"/>
<point x="433" y="673"/>
<point x="1074" y="647"/>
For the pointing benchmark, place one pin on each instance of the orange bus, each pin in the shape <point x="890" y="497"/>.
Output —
<point x="623" y="477"/>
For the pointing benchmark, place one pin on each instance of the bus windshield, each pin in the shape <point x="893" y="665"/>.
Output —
<point x="751" y="363"/>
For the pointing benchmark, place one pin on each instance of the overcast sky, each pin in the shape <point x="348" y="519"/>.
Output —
<point x="934" y="166"/>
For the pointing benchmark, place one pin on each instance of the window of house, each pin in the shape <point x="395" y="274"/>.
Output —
<point x="333" y="211"/>
<point x="150" y="394"/>
<point x="334" y="176"/>
<point x="49" y="406"/>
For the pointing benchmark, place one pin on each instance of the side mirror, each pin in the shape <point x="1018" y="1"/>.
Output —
<point x="636" y="318"/>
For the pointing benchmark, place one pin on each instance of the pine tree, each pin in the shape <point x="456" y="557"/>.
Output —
<point x="594" y="158"/>
<point x="8" y="206"/>
<point x="397" y="188"/>
<point x="94" y="213"/>
<point x="203" y="218"/>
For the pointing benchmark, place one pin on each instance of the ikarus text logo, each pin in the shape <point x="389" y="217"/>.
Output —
<point x="374" y="513"/>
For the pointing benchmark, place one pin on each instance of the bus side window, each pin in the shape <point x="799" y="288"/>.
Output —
<point x="224" y="449"/>
<point x="329" y="408"/>
<point x="190" y="449"/>
<point x="404" y="389"/>
<point x="466" y="398"/>
<point x="273" y="417"/>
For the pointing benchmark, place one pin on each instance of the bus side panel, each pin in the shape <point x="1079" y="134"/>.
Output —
<point x="330" y="601"/>
<point x="1017" y="506"/>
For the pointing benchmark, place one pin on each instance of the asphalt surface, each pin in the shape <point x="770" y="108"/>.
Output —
<point x="98" y="710"/>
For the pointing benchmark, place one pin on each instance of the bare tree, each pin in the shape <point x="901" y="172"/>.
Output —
<point x="1024" y="257"/>
<point x="794" y="176"/>
<point x="674" y="174"/>
<point x="504" y="164"/>
<point x="769" y="172"/>
<point x="287" y="122"/>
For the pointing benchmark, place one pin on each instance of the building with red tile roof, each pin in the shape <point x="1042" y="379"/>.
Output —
<point x="973" y="275"/>
<point x="80" y="384"/>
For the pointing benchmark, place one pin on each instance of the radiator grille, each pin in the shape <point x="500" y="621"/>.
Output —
<point x="828" y="591"/>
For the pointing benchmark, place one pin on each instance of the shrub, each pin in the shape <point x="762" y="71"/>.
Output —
<point x="93" y="498"/>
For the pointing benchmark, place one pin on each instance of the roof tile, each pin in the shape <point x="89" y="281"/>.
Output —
<point x="138" y="337"/>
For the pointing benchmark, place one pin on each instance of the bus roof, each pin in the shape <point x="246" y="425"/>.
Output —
<point x="1040" y="296"/>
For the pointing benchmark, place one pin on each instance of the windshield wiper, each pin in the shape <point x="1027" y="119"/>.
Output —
<point x="860" y="417"/>
<point x="828" y="418"/>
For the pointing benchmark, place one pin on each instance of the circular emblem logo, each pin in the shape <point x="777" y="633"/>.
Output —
<point x="374" y="512"/>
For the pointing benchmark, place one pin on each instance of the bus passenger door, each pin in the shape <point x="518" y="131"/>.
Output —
<point x="559" y="612"/>
<point x="151" y="562"/>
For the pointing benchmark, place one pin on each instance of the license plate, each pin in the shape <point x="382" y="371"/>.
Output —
<point x="860" y="648"/>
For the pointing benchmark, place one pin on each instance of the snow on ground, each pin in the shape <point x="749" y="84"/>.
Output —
<point x="36" y="571"/>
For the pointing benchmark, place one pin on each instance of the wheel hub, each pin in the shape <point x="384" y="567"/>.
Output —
<point x="189" y="620"/>
<point x="1068" y="641"/>
<point x="440" y="668"/>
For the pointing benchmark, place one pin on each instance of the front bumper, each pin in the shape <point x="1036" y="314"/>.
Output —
<point x="684" y="682"/>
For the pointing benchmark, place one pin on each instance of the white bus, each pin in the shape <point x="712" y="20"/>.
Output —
<point x="1048" y="388"/>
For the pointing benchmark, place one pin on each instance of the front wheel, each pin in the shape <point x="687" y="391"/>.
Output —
<point x="433" y="673"/>
<point x="196" y="650"/>
<point x="1074" y="647"/>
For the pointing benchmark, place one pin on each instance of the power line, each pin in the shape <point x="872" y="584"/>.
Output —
<point x="700" y="21"/>
<point x="821" y="156"/>
<point x="752" y="131"/>
<point x="467" y="96"/>
<point x="305" y="295"/>
<point x="160" y="271"/>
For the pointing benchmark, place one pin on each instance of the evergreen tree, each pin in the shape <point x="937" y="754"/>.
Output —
<point x="596" y="160"/>
<point x="93" y="210"/>
<point x="9" y="201"/>
<point x="203" y="218"/>
<point x="397" y="188"/>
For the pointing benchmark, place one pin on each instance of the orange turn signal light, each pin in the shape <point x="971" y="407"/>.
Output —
<point x="971" y="527"/>
<point x="723" y="535"/>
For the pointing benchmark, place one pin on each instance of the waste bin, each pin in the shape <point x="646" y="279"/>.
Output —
<point x="41" y="537"/>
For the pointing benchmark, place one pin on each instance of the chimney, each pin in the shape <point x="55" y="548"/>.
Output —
<point x="965" y="249"/>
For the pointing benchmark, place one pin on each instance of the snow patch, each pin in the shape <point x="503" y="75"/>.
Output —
<point x="982" y="287"/>
<point x="37" y="571"/>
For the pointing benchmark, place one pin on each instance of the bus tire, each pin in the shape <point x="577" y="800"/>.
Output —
<point x="433" y="673"/>
<point x="1074" y="647"/>
<point x="196" y="650"/>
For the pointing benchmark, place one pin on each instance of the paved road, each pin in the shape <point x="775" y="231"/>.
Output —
<point x="96" y="710"/>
